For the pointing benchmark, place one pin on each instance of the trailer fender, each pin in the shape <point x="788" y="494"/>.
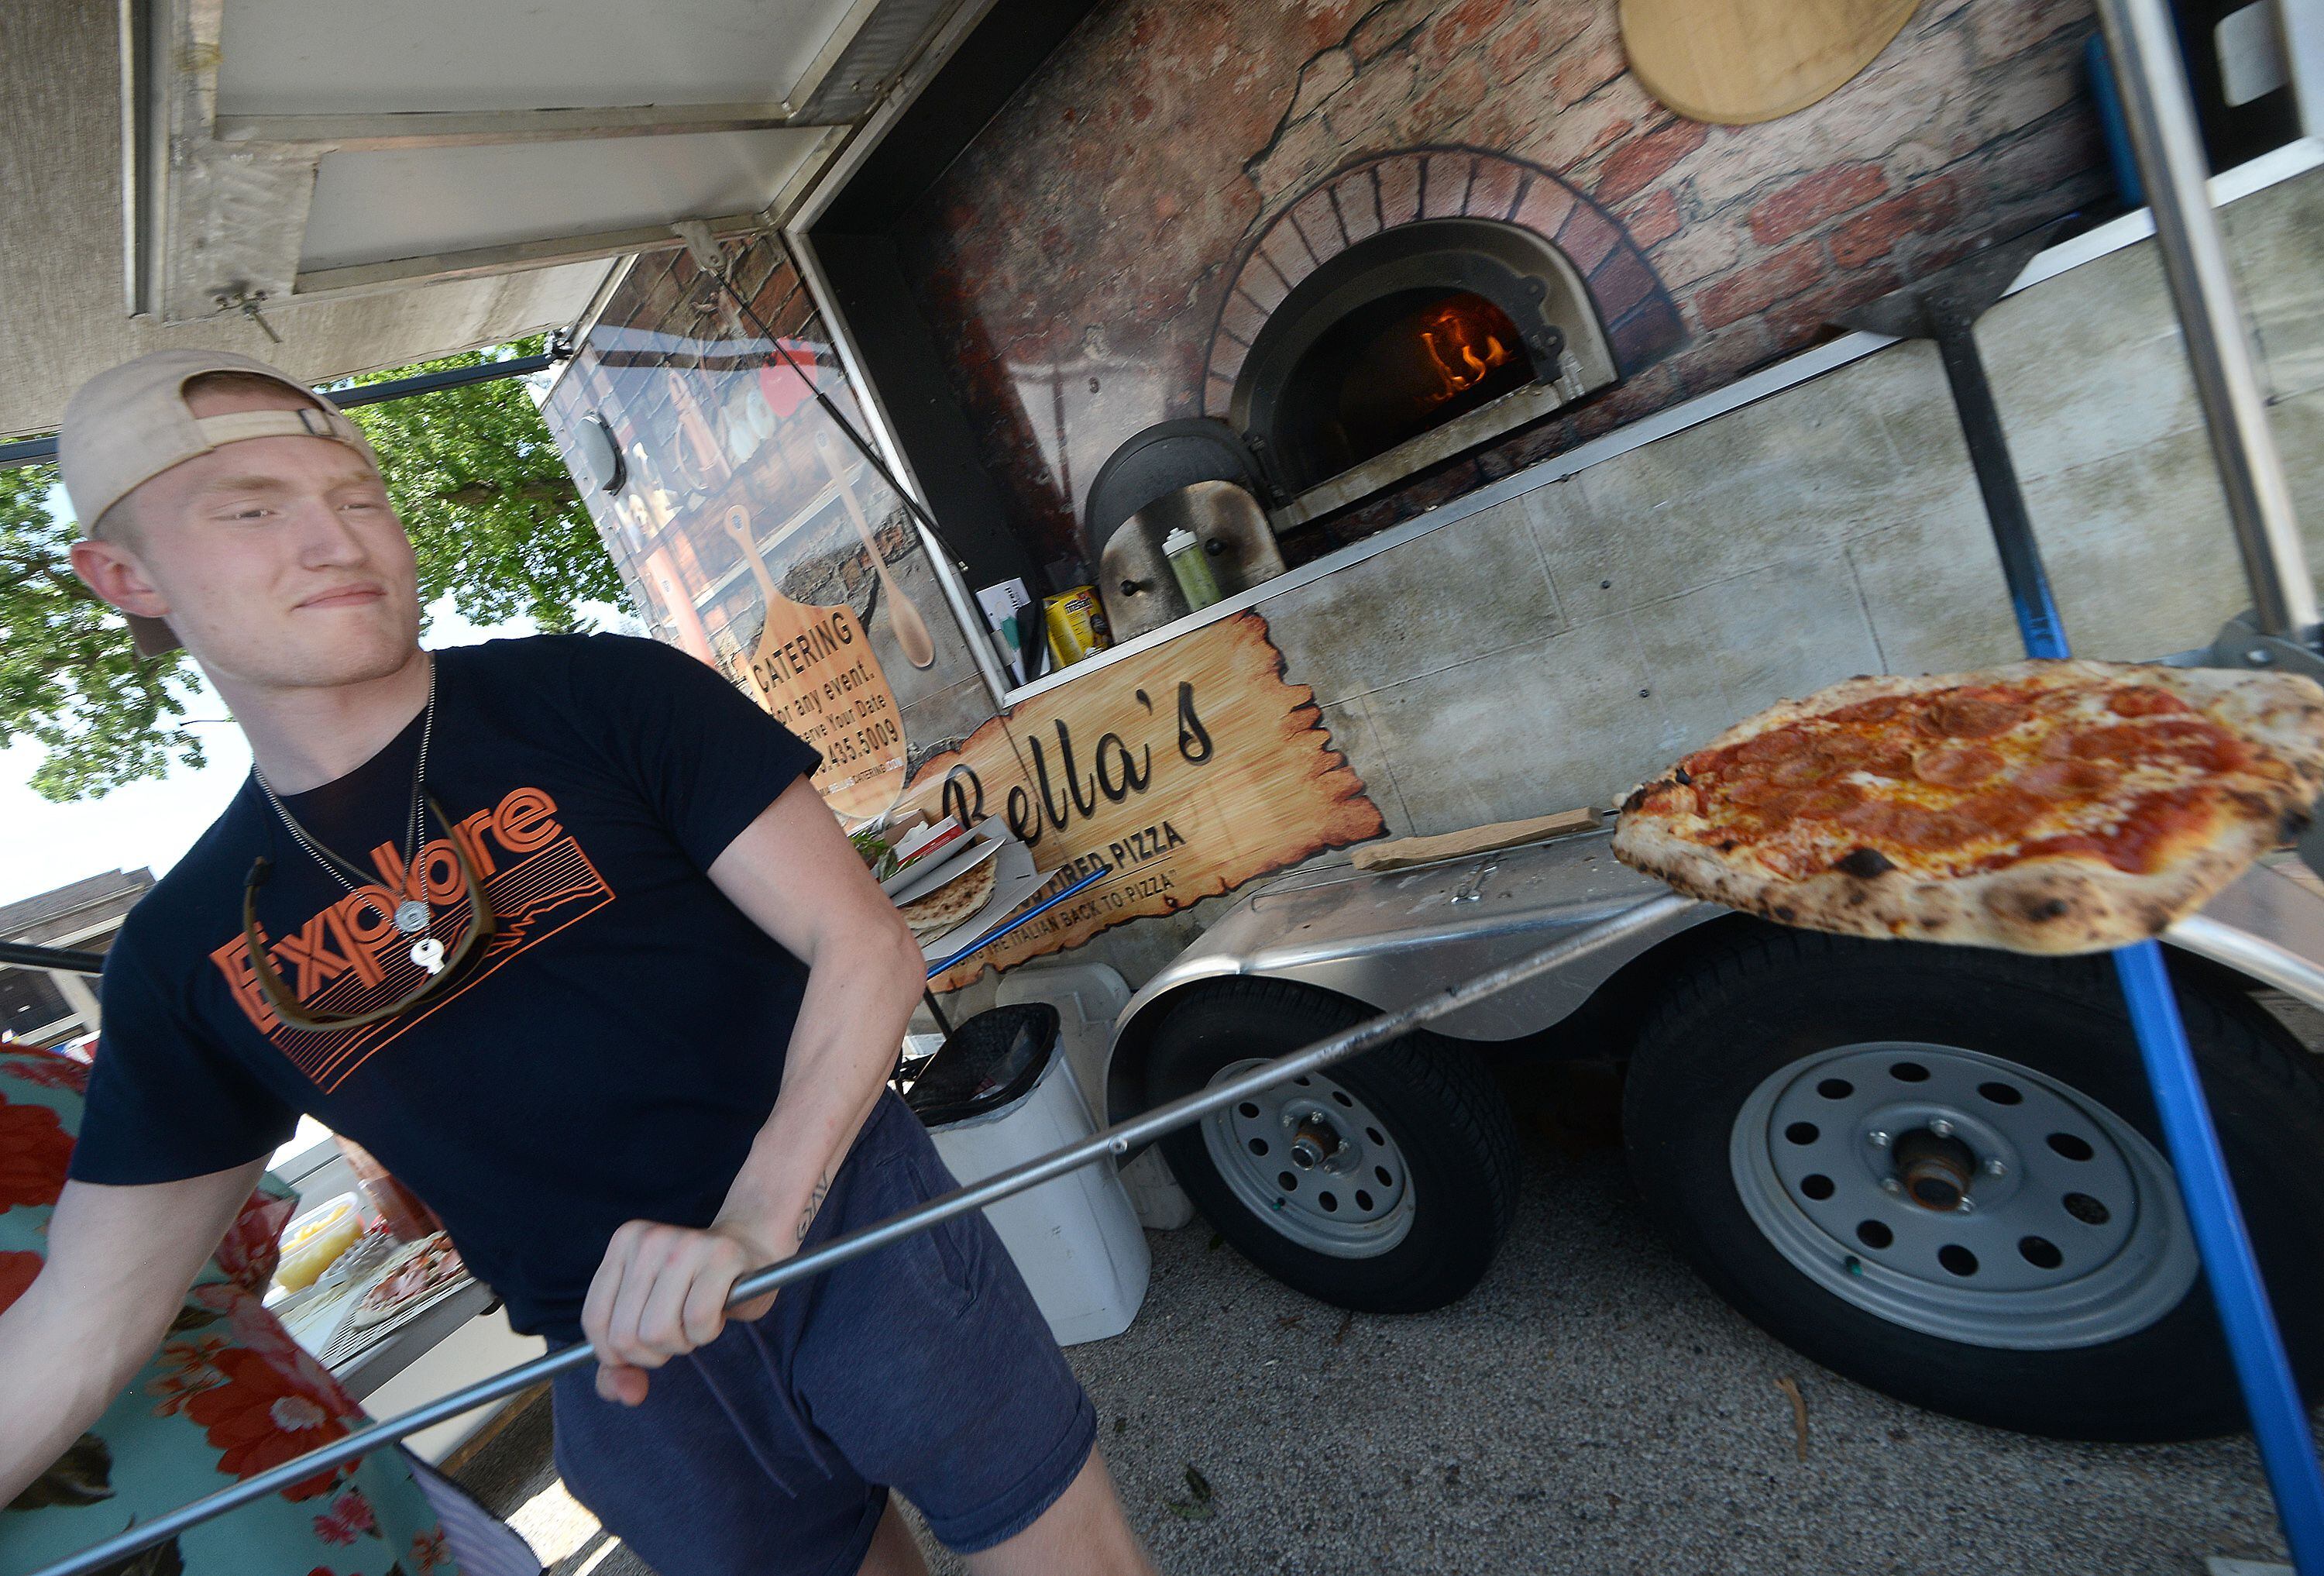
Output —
<point x="1385" y="940"/>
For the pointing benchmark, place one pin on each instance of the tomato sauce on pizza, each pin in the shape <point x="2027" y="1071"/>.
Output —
<point x="1959" y="778"/>
<point x="2072" y="769"/>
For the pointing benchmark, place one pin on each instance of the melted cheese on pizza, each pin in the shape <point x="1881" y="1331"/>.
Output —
<point x="1967" y="779"/>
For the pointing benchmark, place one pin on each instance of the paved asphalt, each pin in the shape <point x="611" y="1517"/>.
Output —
<point x="1590" y="1408"/>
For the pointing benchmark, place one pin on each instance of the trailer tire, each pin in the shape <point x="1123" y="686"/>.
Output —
<point x="1758" y="1118"/>
<point x="1421" y="1112"/>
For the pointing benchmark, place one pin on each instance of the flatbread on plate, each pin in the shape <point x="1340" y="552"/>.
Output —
<point x="955" y="901"/>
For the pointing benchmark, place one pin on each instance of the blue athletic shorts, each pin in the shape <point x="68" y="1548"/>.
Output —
<point x="923" y="1366"/>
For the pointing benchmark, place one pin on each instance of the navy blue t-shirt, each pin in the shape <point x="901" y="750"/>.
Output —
<point x="609" y="1056"/>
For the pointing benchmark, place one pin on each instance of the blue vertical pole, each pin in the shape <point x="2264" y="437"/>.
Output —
<point x="2271" y="1394"/>
<point x="2279" y="1421"/>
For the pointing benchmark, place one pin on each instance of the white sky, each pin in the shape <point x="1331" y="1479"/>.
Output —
<point x="45" y="845"/>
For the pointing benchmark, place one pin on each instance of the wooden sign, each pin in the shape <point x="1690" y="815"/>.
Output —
<point x="814" y="670"/>
<point x="1407" y="852"/>
<point x="1181" y="772"/>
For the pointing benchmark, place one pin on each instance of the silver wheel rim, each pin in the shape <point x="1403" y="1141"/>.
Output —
<point x="1314" y="1162"/>
<point x="2074" y="1235"/>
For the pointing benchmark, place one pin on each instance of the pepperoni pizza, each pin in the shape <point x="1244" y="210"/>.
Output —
<point x="2044" y="806"/>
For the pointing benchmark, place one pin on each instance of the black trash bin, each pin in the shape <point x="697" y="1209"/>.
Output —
<point x="990" y="1062"/>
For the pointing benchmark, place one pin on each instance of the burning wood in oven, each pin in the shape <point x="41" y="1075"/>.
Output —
<point x="1452" y="333"/>
<point x="1404" y="366"/>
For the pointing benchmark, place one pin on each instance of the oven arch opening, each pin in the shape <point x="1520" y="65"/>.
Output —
<point x="1411" y="347"/>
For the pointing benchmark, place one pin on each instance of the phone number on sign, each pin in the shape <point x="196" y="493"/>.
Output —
<point x="845" y="749"/>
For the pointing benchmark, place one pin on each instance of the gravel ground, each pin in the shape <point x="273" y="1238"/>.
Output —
<point x="1591" y="1407"/>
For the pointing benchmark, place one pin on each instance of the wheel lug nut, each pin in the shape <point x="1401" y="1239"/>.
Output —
<point x="1941" y="1127"/>
<point x="1995" y="1169"/>
<point x="1890" y="1185"/>
<point x="1876" y="1138"/>
<point x="1965" y="1206"/>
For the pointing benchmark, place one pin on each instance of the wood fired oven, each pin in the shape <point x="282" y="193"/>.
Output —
<point x="1408" y="348"/>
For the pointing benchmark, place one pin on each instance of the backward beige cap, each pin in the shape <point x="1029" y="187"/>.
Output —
<point x="128" y="424"/>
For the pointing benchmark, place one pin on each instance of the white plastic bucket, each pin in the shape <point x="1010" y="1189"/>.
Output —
<point x="1076" y="1239"/>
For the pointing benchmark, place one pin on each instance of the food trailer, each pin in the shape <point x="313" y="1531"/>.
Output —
<point x="1494" y="363"/>
<point x="1524" y="458"/>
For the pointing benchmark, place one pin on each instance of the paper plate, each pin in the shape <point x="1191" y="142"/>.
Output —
<point x="982" y="842"/>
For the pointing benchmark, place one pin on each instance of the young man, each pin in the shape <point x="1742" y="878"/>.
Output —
<point x="559" y="931"/>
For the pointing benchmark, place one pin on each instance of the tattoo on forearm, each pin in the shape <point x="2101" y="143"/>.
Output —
<point x="814" y="1202"/>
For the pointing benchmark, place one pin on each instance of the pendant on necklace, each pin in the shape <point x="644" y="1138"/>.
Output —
<point x="411" y="917"/>
<point x="428" y="954"/>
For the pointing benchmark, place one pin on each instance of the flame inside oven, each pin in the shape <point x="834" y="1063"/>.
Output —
<point x="1402" y="365"/>
<point x="1462" y="347"/>
<point x="1391" y="368"/>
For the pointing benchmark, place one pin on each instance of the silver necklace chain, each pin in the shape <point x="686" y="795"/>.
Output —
<point x="411" y="915"/>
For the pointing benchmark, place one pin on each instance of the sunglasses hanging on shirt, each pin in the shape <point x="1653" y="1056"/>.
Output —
<point x="411" y="915"/>
<point x="428" y="953"/>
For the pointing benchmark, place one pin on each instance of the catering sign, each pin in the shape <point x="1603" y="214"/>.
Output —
<point x="1180" y="773"/>
<point x="749" y="533"/>
<point x="813" y="668"/>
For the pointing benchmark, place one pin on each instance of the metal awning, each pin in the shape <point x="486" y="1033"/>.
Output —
<point x="398" y="179"/>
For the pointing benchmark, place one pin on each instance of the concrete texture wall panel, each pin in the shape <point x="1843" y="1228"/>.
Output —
<point x="1724" y="651"/>
<point x="2139" y="547"/>
<point x="1448" y="597"/>
<point x="2299" y="435"/>
<point x="1349" y="723"/>
<point x="2097" y="372"/>
<point x="1934" y="591"/>
<point x="1793" y="475"/>
<point x="2280" y="265"/>
<point x="1538" y="727"/>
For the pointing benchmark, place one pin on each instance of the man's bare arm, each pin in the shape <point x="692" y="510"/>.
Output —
<point x="663" y="1289"/>
<point x="119" y="1261"/>
<point x="795" y="874"/>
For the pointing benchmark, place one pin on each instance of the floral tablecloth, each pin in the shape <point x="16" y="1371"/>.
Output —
<point x="228" y="1394"/>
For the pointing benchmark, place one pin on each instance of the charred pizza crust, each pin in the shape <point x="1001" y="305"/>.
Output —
<point x="2071" y="903"/>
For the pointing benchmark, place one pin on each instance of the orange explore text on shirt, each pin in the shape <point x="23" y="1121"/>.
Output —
<point x="357" y="935"/>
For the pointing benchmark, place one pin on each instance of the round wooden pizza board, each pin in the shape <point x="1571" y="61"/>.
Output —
<point x="1732" y="62"/>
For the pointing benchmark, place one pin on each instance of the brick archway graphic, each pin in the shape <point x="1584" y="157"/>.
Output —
<point x="1381" y="193"/>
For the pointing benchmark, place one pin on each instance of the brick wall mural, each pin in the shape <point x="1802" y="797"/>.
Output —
<point x="1371" y="196"/>
<point x="1079" y="262"/>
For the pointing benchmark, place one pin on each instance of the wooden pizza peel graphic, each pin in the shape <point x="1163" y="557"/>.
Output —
<point x="1733" y="62"/>
<point x="911" y="629"/>
<point x="699" y="455"/>
<point x="815" y="670"/>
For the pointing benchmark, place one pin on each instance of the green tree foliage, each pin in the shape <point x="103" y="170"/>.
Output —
<point x="494" y="523"/>
<point x="492" y="511"/>
<point x="69" y="679"/>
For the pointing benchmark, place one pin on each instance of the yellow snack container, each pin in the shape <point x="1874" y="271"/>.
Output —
<point x="315" y="1238"/>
